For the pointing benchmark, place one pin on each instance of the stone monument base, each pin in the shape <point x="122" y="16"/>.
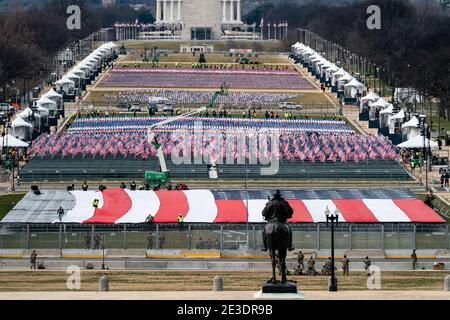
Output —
<point x="278" y="296"/>
<point x="279" y="291"/>
<point x="279" y="287"/>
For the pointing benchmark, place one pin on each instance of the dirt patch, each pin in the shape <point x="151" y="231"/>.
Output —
<point x="163" y="280"/>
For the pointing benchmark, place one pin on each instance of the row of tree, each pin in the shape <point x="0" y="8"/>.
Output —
<point x="413" y="44"/>
<point x="30" y="38"/>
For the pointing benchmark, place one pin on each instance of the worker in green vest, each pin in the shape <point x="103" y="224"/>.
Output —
<point x="180" y="218"/>
<point x="95" y="203"/>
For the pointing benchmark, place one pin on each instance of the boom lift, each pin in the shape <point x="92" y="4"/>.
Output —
<point x="163" y="177"/>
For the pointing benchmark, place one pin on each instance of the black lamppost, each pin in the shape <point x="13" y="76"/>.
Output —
<point x="103" y="252"/>
<point x="332" y="218"/>
<point x="424" y="131"/>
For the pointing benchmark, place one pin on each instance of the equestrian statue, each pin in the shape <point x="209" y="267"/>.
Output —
<point x="277" y="236"/>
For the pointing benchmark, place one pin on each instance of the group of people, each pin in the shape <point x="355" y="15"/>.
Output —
<point x="133" y="186"/>
<point x="161" y="242"/>
<point x="445" y="177"/>
<point x="326" y="269"/>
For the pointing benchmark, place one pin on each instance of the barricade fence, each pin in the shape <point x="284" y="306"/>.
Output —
<point x="388" y="236"/>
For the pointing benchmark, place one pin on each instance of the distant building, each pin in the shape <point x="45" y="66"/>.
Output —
<point x="199" y="48"/>
<point x="199" y="19"/>
<point x="191" y="20"/>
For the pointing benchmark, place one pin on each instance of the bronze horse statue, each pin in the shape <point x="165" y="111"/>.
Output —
<point x="277" y="235"/>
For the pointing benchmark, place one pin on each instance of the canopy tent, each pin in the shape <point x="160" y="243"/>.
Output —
<point x="370" y="97"/>
<point x="28" y="113"/>
<point x="396" y="120"/>
<point x="65" y="85"/>
<point x="342" y="81"/>
<point x="88" y="69"/>
<point x="388" y="110"/>
<point x="46" y="103"/>
<point x="22" y="129"/>
<point x="80" y="73"/>
<point x="75" y="78"/>
<point x="52" y="94"/>
<point x="352" y="88"/>
<point x="368" y="100"/>
<point x="298" y="45"/>
<point x="12" y="142"/>
<point x="376" y="106"/>
<point x="418" y="142"/>
<point x="385" y="115"/>
<point x="336" y="75"/>
<point x="55" y="97"/>
<point x="42" y="111"/>
<point x="32" y="117"/>
<point x="331" y="70"/>
<point x="411" y="129"/>
<point x="399" y="116"/>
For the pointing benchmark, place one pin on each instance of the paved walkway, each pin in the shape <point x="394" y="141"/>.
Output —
<point x="224" y="295"/>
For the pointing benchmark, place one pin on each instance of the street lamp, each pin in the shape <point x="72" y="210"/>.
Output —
<point x="103" y="252"/>
<point x="424" y="131"/>
<point x="333" y="218"/>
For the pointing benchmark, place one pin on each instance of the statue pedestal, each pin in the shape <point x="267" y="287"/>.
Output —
<point x="279" y="291"/>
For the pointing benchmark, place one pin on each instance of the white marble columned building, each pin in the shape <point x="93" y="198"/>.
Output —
<point x="198" y="19"/>
<point x="169" y="11"/>
<point x="231" y="11"/>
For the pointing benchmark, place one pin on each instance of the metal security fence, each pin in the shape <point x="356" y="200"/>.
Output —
<point x="388" y="236"/>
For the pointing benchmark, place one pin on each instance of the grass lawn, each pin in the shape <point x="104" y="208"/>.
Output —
<point x="8" y="201"/>
<point x="163" y="280"/>
<point x="442" y="123"/>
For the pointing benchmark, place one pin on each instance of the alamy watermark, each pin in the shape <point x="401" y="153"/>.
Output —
<point x="74" y="280"/>
<point x="374" y="278"/>
<point x="73" y="22"/>
<point x="374" y="20"/>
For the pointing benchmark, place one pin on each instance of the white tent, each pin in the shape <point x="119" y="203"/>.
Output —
<point x="65" y="85"/>
<point x="75" y="78"/>
<point x="381" y="103"/>
<point x="396" y="120"/>
<point x="52" y="94"/>
<point x="342" y="81"/>
<point x="377" y="105"/>
<point x="418" y="142"/>
<point x="399" y="116"/>
<point x="410" y="129"/>
<point x="332" y="69"/>
<point x="389" y="110"/>
<point x="10" y="141"/>
<point x="47" y="103"/>
<point x="80" y="73"/>
<point x="370" y="97"/>
<point x="352" y="88"/>
<point x="22" y="129"/>
<point x="385" y="115"/>
<point x="55" y="97"/>
<point x="28" y="113"/>
<point x="339" y="73"/>
<point x="368" y="100"/>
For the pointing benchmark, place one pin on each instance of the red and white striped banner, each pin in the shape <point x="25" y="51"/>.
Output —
<point x="126" y="206"/>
